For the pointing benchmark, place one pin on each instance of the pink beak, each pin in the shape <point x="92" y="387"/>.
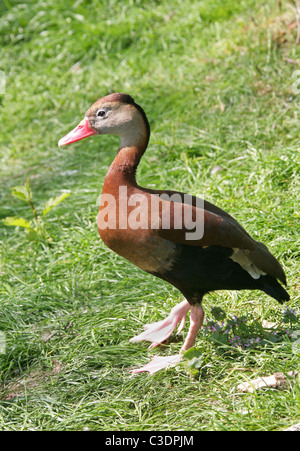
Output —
<point x="83" y="130"/>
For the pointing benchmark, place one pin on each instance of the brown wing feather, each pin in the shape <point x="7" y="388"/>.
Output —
<point x="219" y="229"/>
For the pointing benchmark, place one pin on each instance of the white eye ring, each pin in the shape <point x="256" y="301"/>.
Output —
<point x="101" y="113"/>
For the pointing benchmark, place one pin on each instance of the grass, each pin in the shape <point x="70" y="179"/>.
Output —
<point x="216" y="82"/>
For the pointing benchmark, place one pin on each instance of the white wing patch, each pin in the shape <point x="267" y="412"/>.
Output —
<point x="240" y="256"/>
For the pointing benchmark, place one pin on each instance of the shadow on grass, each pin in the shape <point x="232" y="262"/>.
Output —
<point x="233" y="337"/>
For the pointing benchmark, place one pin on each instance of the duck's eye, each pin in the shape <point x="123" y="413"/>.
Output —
<point x="100" y="113"/>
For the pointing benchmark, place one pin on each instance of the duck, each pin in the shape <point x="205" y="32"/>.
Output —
<point x="186" y="241"/>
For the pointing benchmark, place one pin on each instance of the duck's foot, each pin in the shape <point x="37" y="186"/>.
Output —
<point x="160" y="331"/>
<point x="158" y="363"/>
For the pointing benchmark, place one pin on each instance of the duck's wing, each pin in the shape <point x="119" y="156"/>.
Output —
<point x="199" y="223"/>
<point x="176" y="196"/>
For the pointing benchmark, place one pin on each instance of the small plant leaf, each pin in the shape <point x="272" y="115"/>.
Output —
<point x="218" y="313"/>
<point x="53" y="201"/>
<point x="193" y="361"/>
<point x="17" y="222"/>
<point x="196" y="363"/>
<point x="22" y="192"/>
<point x="290" y="316"/>
<point x="192" y="353"/>
<point x="33" y="235"/>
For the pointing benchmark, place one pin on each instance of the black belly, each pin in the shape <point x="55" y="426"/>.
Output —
<point x="197" y="271"/>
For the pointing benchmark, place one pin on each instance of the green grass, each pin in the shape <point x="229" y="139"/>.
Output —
<point x="215" y="79"/>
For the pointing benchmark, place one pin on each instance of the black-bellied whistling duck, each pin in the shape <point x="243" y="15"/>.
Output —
<point x="154" y="230"/>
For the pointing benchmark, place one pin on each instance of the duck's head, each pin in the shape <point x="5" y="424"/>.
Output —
<point x="115" y="114"/>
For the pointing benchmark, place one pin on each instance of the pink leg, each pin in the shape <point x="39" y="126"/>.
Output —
<point x="196" y="321"/>
<point x="161" y="330"/>
<point x="159" y="362"/>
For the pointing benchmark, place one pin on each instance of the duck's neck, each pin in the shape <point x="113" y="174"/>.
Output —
<point x="134" y="141"/>
<point x="123" y="168"/>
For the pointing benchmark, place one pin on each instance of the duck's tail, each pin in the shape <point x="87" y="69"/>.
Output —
<point x="273" y="288"/>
